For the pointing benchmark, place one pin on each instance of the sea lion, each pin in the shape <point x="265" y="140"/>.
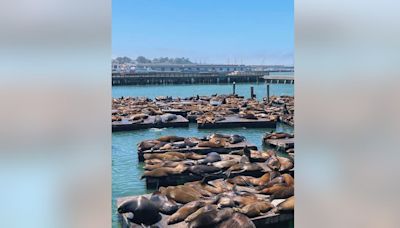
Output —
<point x="203" y="169"/>
<point x="277" y="135"/>
<point x="165" y="171"/>
<point x="209" y="144"/>
<point x="183" y="212"/>
<point x="243" y="167"/>
<point x="211" y="218"/>
<point x="170" y="138"/>
<point x="179" y="194"/>
<point x="225" y="201"/>
<point x="241" y="180"/>
<point x="138" y="116"/>
<point x="288" y="179"/>
<point x="168" y="117"/>
<point x="282" y="193"/>
<point x="285" y="163"/>
<point x="210" y="158"/>
<point x="164" y="156"/>
<point x="191" y="142"/>
<point x="190" y="187"/>
<point x="286" y="206"/>
<point x="237" y="220"/>
<point x="147" y="144"/>
<point x="216" y="135"/>
<point x="273" y="189"/>
<point x="236" y="139"/>
<point x="273" y="163"/>
<point x="194" y="156"/>
<point x="199" y="211"/>
<point x="165" y="205"/>
<point x="256" y="209"/>
<point x="225" y="164"/>
<point x="144" y="211"/>
<point x="248" y="116"/>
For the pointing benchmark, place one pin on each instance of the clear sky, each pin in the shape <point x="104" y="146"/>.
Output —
<point x="207" y="31"/>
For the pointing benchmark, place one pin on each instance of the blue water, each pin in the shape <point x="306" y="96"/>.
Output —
<point x="126" y="170"/>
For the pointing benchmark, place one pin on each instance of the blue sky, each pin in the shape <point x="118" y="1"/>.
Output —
<point x="207" y="31"/>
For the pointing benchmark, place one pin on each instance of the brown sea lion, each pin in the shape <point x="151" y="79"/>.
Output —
<point x="210" y="144"/>
<point x="286" y="206"/>
<point x="256" y="208"/>
<point x="241" y="180"/>
<point x="285" y="163"/>
<point x="165" y="156"/>
<point x="207" y="187"/>
<point x="225" y="201"/>
<point x="225" y="164"/>
<point x="183" y="212"/>
<point x="194" y="156"/>
<point x="180" y="195"/>
<point x="144" y="211"/>
<point x="273" y="189"/>
<point x="264" y="179"/>
<point x="138" y="116"/>
<point x="288" y="179"/>
<point x="211" y="218"/>
<point x="147" y="144"/>
<point x="199" y="211"/>
<point x="245" y="199"/>
<point x="165" y="171"/>
<point x="237" y="220"/>
<point x="171" y="138"/>
<point x="193" y="189"/>
<point x="283" y="193"/>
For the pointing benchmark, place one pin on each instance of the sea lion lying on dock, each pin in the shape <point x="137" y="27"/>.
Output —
<point x="186" y="210"/>
<point x="286" y="206"/>
<point x="256" y="209"/>
<point x="168" y="117"/>
<point x="236" y="139"/>
<point x="211" y="218"/>
<point x="165" y="156"/>
<point x="203" y="169"/>
<point x="165" y="205"/>
<point x="278" y="135"/>
<point x="144" y="211"/>
<point x="199" y="211"/>
<point x="210" y="144"/>
<point x="147" y="144"/>
<point x="170" y="138"/>
<point x="210" y="158"/>
<point x="139" y="116"/>
<point x="225" y="164"/>
<point x="180" y="194"/>
<point x="282" y="193"/>
<point x="165" y="171"/>
<point x="237" y="220"/>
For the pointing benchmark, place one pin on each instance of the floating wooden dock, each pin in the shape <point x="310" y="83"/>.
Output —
<point x="203" y="150"/>
<point x="126" y="125"/>
<point x="177" y="179"/>
<point x="235" y="121"/>
<point x="260" y="221"/>
<point x="282" y="143"/>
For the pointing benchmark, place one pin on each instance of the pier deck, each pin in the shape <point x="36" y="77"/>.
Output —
<point x="235" y="121"/>
<point x="126" y="125"/>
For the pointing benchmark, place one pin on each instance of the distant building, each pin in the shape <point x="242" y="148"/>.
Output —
<point x="195" y="68"/>
<point x="190" y="68"/>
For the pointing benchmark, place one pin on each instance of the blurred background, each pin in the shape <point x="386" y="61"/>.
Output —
<point x="55" y="98"/>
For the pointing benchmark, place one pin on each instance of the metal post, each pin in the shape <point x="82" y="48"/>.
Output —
<point x="252" y="92"/>
<point x="234" y="88"/>
<point x="268" y="92"/>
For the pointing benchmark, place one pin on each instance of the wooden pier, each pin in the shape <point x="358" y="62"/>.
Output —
<point x="161" y="78"/>
<point x="235" y="121"/>
<point x="126" y="125"/>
